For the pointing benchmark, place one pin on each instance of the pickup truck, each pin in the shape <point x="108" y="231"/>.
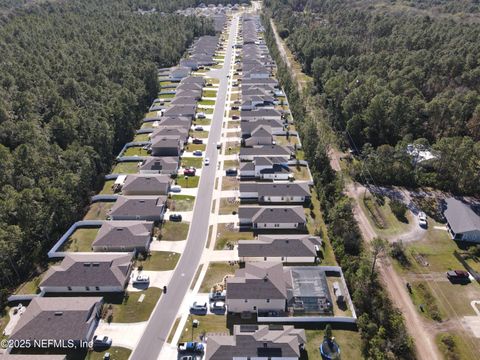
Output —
<point x="191" y="347"/>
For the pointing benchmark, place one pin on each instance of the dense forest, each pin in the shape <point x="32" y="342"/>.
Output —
<point x="75" y="80"/>
<point x="381" y="325"/>
<point x="389" y="78"/>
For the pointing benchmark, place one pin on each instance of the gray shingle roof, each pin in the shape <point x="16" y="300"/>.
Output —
<point x="258" y="280"/>
<point x="131" y="234"/>
<point x="279" y="246"/>
<point x="97" y="269"/>
<point x="61" y="318"/>
<point x="276" y="189"/>
<point x="138" y="205"/>
<point x="266" y="150"/>
<point x="152" y="183"/>
<point x="460" y="216"/>
<point x="273" y="214"/>
<point x="164" y="164"/>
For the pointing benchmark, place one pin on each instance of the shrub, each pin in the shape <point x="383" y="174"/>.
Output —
<point x="399" y="209"/>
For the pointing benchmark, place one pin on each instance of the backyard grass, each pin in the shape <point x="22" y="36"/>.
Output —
<point x="141" y="137"/>
<point x="129" y="309"/>
<point x="163" y="83"/>
<point x="107" y="187"/>
<point x="228" y="235"/>
<point x="80" y="241"/>
<point x="98" y="210"/>
<point x="228" y="206"/>
<point x="209" y="93"/>
<point x="215" y="274"/>
<point x="126" y="167"/>
<point x="181" y="203"/>
<point x="194" y="147"/>
<point x="229" y="183"/>
<point x="206" y="102"/>
<point x="299" y="155"/>
<point x="116" y="353"/>
<point x="342" y="309"/>
<point x="208" y="325"/>
<point x="199" y="134"/>
<point x="227" y="164"/>
<point x="190" y="182"/>
<point x="349" y="342"/>
<point x="135" y="151"/>
<point x="165" y="96"/>
<point x="30" y="286"/>
<point x="174" y="231"/>
<point x="160" y="261"/>
<point x="282" y="140"/>
<point x="300" y="172"/>
<point x="151" y="114"/>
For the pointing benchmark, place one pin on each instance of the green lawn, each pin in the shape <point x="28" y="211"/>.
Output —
<point x="163" y="83"/>
<point x="129" y="309"/>
<point x="422" y="296"/>
<point x="227" y="164"/>
<point x="135" y="151"/>
<point x="80" y="241"/>
<point x="300" y="155"/>
<point x="228" y="206"/>
<point x="227" y="234"/>
<point x="160" y="261"/>
<point x="98" y="210"/>
<point x="107" y="187"/>
<point x="116" y="353"/>
<point x="126" y="167"/>
<point x="165" y="96"/>
<point x="202" y="122"/>
<point x="282" y="140"/>
<point x="192" y="181"/>
<point x="29" y="287"/>
<point x="141" y="137"/>
<point x="215" y="274"/>
<point x="209" y="93"/>
<point x="300" y="172"/>
<point x="454" y="347"/>
<point x="151" y="114"/>
<point x="213" y="81"/>
<point x="206" y="102"/>
<point x="191" y="162"/>
<point x="208" y="324"/>
<point x="194" y="147"/>
<point x="174" y="231"/>
<point x="182" y="203"/>
<point x="349" y="341"/>
<point x="207" y="111"/>
<point x="199" y="134"/>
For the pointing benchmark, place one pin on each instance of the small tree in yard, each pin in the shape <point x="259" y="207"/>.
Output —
<point x="399" y="209"/>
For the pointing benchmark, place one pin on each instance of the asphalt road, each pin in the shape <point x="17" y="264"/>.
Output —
<point x="165" y="312"/>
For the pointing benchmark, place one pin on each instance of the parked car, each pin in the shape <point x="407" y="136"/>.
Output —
<point x="235" y="117"/>
<point x="219" y="145"/>
<point x="175" y="217"/>
<point x="176" y="188"/>
<point x="198" y="128"/>
<point x="234" y="107"/>
<point x="458" y="275"/>
<point x="231" y="172"/>
<point x="192" y="347"/>
<point x="218" y="295"/>
<point x="197" y="141"/>
<point x="107" y="356"/>
<point x="206" y="161"/>
<point x="191" y="171"/>
<point x="201" y="115"/>
<point x="187" y="357"/>
<point x="101" y="342"/>
<point x="422" y="219"/>
<point x="198" y="307"/>
<point x="141" y="279"/>
<point x="197" y="153"/>
<point x="217" y="306"/>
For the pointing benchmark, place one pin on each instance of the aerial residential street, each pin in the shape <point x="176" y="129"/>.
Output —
<point x="165" y="312"/>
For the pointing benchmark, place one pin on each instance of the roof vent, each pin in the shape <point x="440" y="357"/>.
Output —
<point x="119" y="229"/>
<point x="96" y="264"/>
<point x="58" y="313"/>
<point x="87" y="264"/>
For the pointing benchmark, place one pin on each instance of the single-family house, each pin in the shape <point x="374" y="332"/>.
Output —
<point x="184" y="101"/>
<point x="276" y="127"/>
<point x="272" y="217"/>
<point x="181" y="111"/>
<point x="159" y="165"/>
<point x="298" y="193"/>
<point x="65" y="320"/>
<point x="171" y="131"/>
<point x="167" y="146"/>
<point x="259" y="342"/>
<point x="284" y="248"/>
<point x="189" y="63"/>
<point x="262" y="135"/>
<point x="89" y="273"/>
<point x="146" y="184"/>
<point x="179" y="72"/>
<point x="149" y="208"/>
<point x="262" y="113"/>
<point x="249" y="153"/>
<point x="266" y="168"/>
<point x="115" y="236"/>
<point x="463" y="221"/>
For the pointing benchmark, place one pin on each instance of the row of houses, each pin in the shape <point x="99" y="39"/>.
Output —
<point x="72" y="315"/>
<point x="272" y="205"/>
